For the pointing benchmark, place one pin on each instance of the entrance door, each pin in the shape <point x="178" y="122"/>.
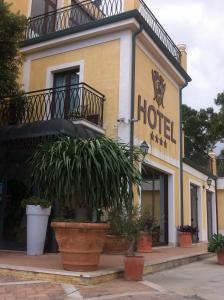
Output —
<point x="209" y="215"/>
<point x="66" y="100"/>
<point x="155" y="202"/>
<point x="194" y="211"/>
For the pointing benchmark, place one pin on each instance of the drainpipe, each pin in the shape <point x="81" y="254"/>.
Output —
<point x="181" y="159"/>
<point x="132" y="113"/>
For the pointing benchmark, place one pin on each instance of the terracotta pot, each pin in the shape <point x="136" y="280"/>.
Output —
<point x="220" y="257"/>
<point x="80" y="244"/>
<point x="116" y="244"/>
<point x="185" y="239"/>
<point x="144" y="244"/>
<point x="133" y="268"/>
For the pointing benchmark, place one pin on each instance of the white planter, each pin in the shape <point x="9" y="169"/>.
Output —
<point x="37" y="220"/>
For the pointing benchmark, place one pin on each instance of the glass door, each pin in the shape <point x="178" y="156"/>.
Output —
<point x="155" y="202"/>
<point x="209" y="214"/>
<point x="66" y="95"/>
<point x="194" y="211"/>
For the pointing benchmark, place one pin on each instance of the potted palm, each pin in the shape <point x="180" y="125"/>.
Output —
<point x="37" y="211"/>
<point x="90" y="175"/>
<point x="133" y="264"/>
<point x="116" y="240"/>
<point x="185" y="235"/>
<point x="147" y="226"/>
<point x="216" y="245"/>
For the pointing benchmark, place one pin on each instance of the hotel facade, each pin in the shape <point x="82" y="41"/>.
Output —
<point x="108" y="68"/>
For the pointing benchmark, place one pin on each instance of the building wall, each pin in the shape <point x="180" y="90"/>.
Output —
<point x="22" y="6"/>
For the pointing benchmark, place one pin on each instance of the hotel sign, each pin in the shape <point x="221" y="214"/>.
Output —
<point x="154" y="117"/>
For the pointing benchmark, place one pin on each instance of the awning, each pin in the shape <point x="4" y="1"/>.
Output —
<point x="55" y="127"/>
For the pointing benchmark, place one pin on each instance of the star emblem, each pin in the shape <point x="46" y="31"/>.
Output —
<point x="157" y="139"/>
<point x="165" y="144"/>
<point x="161" y="141"/>
<point x="152" y="136"/>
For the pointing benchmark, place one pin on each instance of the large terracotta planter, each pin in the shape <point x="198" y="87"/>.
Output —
<point x="133" y="268"/>
<point x="116" y="244"/>
<point x="80" y="244"/>
<point x="185" y="239"/>
<point x="220" y="257"/>
<point x="144" y="244"/>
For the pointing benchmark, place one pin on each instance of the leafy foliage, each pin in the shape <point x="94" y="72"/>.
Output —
<point x="187" y="228"/>
<point x="117" y="219"/>
<point x="147" y="222"/>
<point x="216" y="243"/>
<point x="12" y="27"/>
<point x="93" y="173"/>
<point x="36" y="201"/>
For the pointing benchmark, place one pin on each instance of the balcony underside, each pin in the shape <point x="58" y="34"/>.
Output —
<point x="51" y="128"/>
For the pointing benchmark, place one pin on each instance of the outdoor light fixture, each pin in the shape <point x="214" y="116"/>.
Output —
<point x="144" y="147"/>
<point x="209" y="182"/>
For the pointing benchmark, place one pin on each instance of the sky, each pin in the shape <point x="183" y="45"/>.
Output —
<point x="200" y="25"/>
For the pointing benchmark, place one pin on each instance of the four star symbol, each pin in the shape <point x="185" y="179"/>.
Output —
<point x="158" y="140"/>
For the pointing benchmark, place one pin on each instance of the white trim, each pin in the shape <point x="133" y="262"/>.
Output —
<point x="90" y="125"/>
<point x="165" y="157"/>
<point x="172" y="231"/>
<point x="85" y="36"/>
<point x="214" y="215"/>
<point x="220" y="183"/>
<point x="125" y="86"/>
<point x="60" y="4"/>
<point x="26" y="74"/>
<point x="158" y="65"/>
<point x="196" y="173"/>
<point x="63" y="67"/>
<point x="29" y="8"/>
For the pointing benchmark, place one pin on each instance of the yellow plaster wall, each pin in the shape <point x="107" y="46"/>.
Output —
<point x="21" y="6"/>
<point x="220" y="198"/>
<point x="101" y="71"/>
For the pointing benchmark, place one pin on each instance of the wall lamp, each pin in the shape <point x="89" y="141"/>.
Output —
<point x="209" y="183"/>
<point x="144" y="148"/>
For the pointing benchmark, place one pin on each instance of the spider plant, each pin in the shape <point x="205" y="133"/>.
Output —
<point x="88" y="173"/>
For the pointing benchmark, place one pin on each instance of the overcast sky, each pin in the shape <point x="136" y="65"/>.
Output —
<point x="200" y="25"/>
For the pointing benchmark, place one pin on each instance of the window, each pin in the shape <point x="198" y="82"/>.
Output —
<point x="41" y="7"/>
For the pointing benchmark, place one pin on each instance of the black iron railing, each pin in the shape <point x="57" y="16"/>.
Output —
<point x="220" y="167"/>
<point x="196" y="157"/>
<point x="67" y="17"/>
<point x="159" y="30"/>
<point x="73" y="102"/>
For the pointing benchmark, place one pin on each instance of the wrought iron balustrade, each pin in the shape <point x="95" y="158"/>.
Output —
<point x="79" y="101"/>
<point x="220" y="167"/>
<point x="159" y="30"/>
<point x="196" y="158"/>
<point x="67" y="17"/>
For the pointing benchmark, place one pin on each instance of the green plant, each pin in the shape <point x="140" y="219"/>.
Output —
<point x="117" y="219"/>
<point x="18" y="105"/>
<point x="216" y="243"/>
<point x="35" y="201"/>
<point x="88" y="173"/>
<point x="187" y="228"/>
<point x="147" y="222"/>
<point x="133" y="229"/>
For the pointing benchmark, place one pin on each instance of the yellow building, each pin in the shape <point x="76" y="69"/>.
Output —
<point x="109" y="67"/>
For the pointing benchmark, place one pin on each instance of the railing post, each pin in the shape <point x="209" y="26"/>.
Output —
<point x="213" y="162"/>
<point x="183" y="56"/>
<point x="131" y="4"/>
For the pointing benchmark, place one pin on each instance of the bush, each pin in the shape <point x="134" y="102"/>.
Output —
<point x="36" y="201"/>
<point x="216" y="243"/>
<point x="187" y="228"/>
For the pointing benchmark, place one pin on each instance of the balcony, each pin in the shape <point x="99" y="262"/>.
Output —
<point x="71" y="103"/>
<point x="84" y="12"/>
<point x="197" y="159"/>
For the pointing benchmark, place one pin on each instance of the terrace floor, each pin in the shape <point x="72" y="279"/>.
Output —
<point x="48" y="266"/>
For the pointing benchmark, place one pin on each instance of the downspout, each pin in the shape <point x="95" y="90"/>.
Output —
<point x="132" y="112"/>
<point x="181" y="159"/>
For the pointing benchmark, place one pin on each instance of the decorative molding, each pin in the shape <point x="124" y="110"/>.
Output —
<point x="220" y="183"/>
<point x="90" y="125"/>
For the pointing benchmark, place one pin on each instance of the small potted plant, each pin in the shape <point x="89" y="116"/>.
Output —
<point x="37" y="211"/>
<point x="185" y="235"/>
<point x="216" y="245"/>
<point x="116" y="240"/>
<point x="133" y="264"/>
<point x="147" y="226"/>
<point x="83" y="174"/>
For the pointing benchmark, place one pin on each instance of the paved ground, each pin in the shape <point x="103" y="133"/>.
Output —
<point x="201" y="280"/>
<point x="198" y="281"/>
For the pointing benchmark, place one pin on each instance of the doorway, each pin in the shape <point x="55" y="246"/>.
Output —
<point x="194" y="211"/>
<point x="154" y="199"/>
<point x="209" y="214"/>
